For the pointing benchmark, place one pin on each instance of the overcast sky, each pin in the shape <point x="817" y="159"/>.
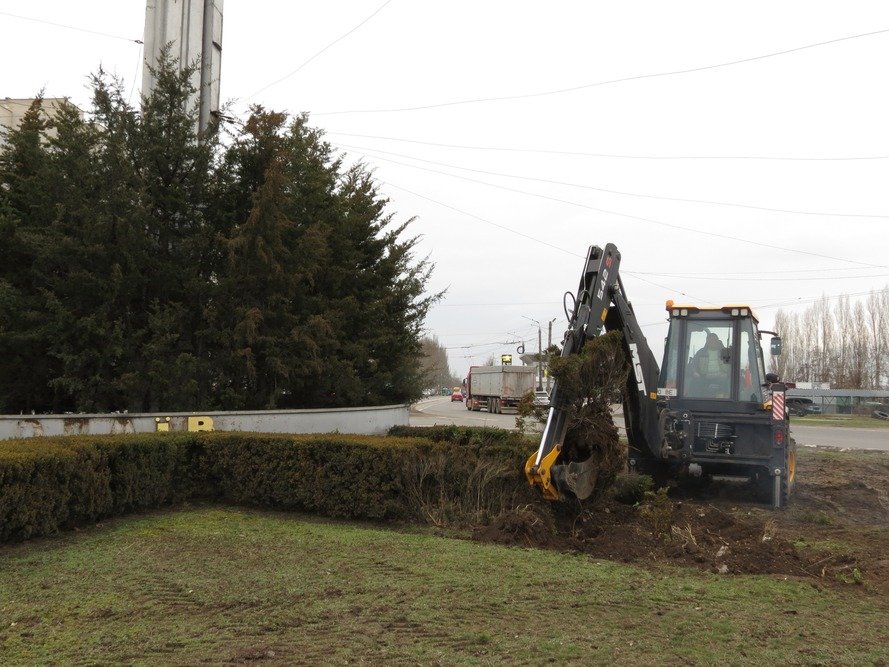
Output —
<point x="734" y="152"/>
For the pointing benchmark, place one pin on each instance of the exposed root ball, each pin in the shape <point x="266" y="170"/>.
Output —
<point x="589" y="383"/>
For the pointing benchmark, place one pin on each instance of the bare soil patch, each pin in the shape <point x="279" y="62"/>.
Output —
<point x="836" y="529"/>
<point x="679" y="532"/>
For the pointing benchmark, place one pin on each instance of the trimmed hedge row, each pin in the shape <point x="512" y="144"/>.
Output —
<point x="437" y="476"/>
<point x="51" y="483"/>
<point x="472" y="436"/>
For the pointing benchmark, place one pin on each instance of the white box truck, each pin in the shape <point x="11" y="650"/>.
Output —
<point x="496" y="387"/>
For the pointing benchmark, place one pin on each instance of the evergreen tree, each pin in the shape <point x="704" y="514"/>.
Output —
<point x="325" y="300"/>
<point x="25" y="209"/>
<point x="145" y="268"/>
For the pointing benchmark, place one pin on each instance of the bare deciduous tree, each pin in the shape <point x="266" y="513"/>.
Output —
<point x="844" y="342"/>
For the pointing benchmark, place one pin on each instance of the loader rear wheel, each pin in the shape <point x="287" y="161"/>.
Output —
<point x="788" y="480"/>
<point x="780" y="492"/>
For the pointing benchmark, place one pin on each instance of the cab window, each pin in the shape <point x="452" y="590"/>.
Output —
<point x="708" y="364"/>
<point x="750" y="377"/>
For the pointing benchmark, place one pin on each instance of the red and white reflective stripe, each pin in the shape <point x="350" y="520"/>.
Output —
<point x="778" y="406"/>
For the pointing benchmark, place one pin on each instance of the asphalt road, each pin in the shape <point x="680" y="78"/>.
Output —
<point x="440" y="410"/>
<point x="839" y="436"/>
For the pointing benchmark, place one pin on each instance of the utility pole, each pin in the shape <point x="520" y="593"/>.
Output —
<point x="549" y="344"/>
<point x="540" y="350"/>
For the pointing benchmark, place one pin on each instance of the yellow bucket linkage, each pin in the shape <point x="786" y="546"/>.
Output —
<point x="539" y="475"/>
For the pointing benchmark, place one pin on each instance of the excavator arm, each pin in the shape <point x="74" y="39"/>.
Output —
<point x="600" y="304"/>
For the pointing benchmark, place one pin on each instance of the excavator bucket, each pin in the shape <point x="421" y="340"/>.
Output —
<point x="555" y="480"/>
<point x="577" y="477"/>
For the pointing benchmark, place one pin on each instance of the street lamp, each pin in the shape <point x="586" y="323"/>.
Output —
<point x="549" y="342"/>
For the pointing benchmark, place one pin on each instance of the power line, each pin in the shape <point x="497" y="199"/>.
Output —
<point x="613" y="155"/>
<point x="748" y="273"/>
<point x="71" y="27"/>
<point x="484" y="220"/>
<point x="747" y="280"/>
<point x="619" y="192"/>
<point x="611" y="81"/>
<point x="631" y="217"/>
<point x="799" y="301"/>
<point x="338" y="39"/>
<point x="531" y="238"/>
<point x="491" y="344"/>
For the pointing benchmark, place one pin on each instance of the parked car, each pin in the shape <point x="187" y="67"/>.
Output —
<point x="457" y="395"/>
<point x="801" y="407"/>
<point x="541" y="398"/>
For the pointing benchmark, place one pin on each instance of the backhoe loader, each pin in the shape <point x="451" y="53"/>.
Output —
<point x="710" y="409"/>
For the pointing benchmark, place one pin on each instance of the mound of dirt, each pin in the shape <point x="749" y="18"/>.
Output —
<point x="686" y="534"/>
<point x="522" y="527"/>
<point x="658" y="531"/>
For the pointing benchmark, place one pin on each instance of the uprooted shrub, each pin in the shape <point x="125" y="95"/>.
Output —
<point x="588" y="384"/>
<point x="49" y="484"/>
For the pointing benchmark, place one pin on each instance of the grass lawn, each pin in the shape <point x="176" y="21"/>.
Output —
<point x="848" y="421"/>
<point x="220" y="584"/>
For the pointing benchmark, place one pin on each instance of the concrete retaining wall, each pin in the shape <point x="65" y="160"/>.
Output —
<point x="368" y="421"/>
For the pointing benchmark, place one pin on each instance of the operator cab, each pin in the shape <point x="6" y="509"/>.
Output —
<point x="713" y="356"/>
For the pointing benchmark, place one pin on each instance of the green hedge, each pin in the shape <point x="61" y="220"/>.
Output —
<point x="432" y="475"/>
<point x="468" y="436"/>
<point x="334" y="475"/>
<point x="47" y="484"/>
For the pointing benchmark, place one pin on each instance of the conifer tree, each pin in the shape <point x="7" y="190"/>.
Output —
<point x="145" y="268"/>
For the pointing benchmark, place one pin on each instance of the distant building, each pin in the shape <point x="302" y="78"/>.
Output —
<point x="193" y="29"/>
<point x="12" y="110"/>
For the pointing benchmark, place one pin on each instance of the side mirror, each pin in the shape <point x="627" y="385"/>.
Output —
<point x="772" y="377"/>
<point x="775" y="345"/>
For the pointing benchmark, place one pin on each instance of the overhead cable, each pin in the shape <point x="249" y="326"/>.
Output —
<point x="71" y="27"/>
<point x="636" y="217"/>
<point x="609" y="82"/>
<point x="620" y="156"/>
<point x="622" y="193"/>
<point x="338" y="39"/>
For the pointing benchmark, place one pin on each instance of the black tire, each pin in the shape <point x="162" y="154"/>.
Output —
<point x="788" y="480"/>
<point x="766" y="481"/>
